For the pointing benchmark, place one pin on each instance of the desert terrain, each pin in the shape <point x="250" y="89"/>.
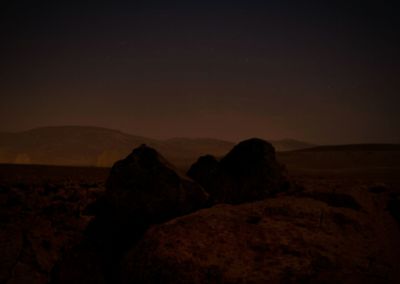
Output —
<point x="199" y="142"/>
<point x="336" y="220"/>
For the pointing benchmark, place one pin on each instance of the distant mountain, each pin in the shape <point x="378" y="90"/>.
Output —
<point x="290" y="145"/>
<point x="95" y="146"/>
<point x="68" y="145"/>
<point x="354" y="147"/>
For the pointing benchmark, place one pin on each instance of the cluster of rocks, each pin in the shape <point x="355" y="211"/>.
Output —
<point x="234" y="220"/>
<point x="144" y="189"/>
<point x="249" y="172"/>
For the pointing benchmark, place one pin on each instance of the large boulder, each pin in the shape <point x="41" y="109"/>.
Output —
<point x="141" y="190"/>
<point x="277" y="240"/>
<point x="248" y="172"/>
<point x="144" y="187"/>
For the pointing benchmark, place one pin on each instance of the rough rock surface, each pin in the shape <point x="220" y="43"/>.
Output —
<point x="248" y="172"/>
<point x="278" y="240"/>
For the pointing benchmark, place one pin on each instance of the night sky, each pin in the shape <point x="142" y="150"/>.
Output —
<point x="323" y="72"/>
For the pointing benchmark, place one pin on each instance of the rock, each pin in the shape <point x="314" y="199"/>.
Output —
<point x="204" y="171"/>
<point x="248" y="172"/>
<point x="145" y="189"/>
<point x="141" y="190"/>
<point x="333" y="199"/>
<point x="277" y="240"/>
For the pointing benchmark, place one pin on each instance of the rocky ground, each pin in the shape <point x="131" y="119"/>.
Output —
<point x="312" y="237"/>
<point x="149" y="223"/>
<point x="42" y="217"/>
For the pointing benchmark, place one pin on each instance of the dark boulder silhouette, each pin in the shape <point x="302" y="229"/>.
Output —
<point x="249" y="172"/>
<point x="204" y="171"/>
<point x="141" y="190"/>
<point x="146" y="188"/>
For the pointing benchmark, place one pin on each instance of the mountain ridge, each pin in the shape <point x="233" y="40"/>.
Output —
<point x="99" y="146"/>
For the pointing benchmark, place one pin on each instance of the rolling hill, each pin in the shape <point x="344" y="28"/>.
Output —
<point x="95" y="146"/>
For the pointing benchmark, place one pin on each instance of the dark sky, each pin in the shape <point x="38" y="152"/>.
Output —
<point x="320" y="71"/>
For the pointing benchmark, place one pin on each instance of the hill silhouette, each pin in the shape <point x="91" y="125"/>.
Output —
<point x="96" y="146"/>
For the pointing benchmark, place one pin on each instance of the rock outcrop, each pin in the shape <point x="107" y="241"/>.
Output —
<point x="277" y="240"/>
<point x="141" y="190"/>
<point x="146" y="188"/>
<point x="249" y="172"/>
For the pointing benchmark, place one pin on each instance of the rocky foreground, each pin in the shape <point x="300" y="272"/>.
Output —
<point x="240" y="219"/>
<point x="284" y="239"/>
